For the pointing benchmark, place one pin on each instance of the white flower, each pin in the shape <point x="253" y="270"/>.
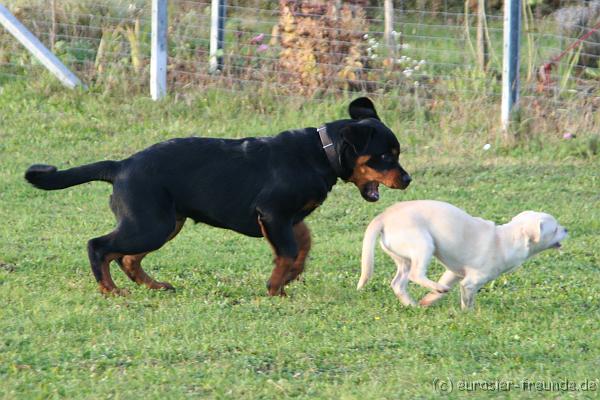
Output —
<point x="487" y="146"/>
<point x="365" y="36"/>
<point x="417" y="84"/>
<point x="417" y="67"/>
<point x="407" y="72"/>
<point x="422" y="62"/>
<point x="373" y="56"/>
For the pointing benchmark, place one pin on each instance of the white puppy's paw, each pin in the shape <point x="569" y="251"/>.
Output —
<point x="426" y="301"/>
<point x="430" y="298"/>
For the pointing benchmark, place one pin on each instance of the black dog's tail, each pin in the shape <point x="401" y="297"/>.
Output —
<point x="47" y="177"/>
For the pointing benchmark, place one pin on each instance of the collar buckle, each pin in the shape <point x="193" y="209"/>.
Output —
<point x="330" y="152"/>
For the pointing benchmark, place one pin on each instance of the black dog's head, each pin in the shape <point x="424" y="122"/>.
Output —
<point x="369" y="151"/>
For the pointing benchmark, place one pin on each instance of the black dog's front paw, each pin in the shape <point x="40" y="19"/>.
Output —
<point x="272" y="291"/>
<point x="166" y="286"/>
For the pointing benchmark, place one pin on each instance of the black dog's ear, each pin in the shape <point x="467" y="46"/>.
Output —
<point x="362" y="108"/>
<point x="358" y="137"/>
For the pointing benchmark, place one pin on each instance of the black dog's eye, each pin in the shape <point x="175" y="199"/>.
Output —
<point x="387" y="157"/>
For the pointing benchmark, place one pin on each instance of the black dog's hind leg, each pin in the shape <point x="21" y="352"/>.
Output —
<point x="100" y="262"/>
<point x="280" y="235"/>
<point x="131" y="265"/>
<point x="142" y="228"/>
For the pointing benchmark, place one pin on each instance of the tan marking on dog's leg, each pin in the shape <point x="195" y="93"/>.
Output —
<point x="131" y="264"/>
<point x="303" y="240"/>
<point x="263" y="230"/>
<point x="283" y="265"/>
<point x="106" y="284"/>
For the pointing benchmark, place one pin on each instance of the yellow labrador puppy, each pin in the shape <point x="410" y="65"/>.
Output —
<point x="474" y="250"/>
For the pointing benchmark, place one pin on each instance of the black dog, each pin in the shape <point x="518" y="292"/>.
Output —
<point x="254" y="186"/>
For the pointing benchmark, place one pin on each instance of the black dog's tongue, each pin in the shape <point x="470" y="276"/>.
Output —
<point x="371" y="191"/>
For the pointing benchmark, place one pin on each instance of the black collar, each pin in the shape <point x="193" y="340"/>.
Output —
<point x="332" y="155"/>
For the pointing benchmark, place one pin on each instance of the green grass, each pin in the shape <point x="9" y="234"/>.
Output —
<point x="219" y="335"/>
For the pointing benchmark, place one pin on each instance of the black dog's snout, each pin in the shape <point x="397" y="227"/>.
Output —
<point x="406" y="179"/>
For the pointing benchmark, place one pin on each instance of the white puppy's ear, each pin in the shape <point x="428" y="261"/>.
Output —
<point x="533" y="231"/>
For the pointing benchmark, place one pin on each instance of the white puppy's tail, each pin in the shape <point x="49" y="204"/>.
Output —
<point x="368" y="250"/>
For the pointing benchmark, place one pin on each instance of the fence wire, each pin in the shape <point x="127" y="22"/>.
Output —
<point x="314" y="48"/>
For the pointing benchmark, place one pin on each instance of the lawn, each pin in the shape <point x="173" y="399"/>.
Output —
<point x="219" y="335"/>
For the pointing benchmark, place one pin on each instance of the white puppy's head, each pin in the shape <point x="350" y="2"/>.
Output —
<point x="541" y="231"/>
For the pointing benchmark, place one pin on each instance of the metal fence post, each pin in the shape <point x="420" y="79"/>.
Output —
<point x="510" y="64"/>
<point x="158" y="58"/>
<point x="217" y="35"/>
<point x="388" y="12"/>
<point x="37" y="49"/>
<point x="482" y="50"/>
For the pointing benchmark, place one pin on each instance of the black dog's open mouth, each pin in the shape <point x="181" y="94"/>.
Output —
<point x="556" y="245"/>
<point x="370" y="191"/>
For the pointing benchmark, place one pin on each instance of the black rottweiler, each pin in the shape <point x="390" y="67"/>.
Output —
<point x="254" y="186"/>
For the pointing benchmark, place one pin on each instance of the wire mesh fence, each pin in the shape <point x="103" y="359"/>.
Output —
<point x="312" y="48"/>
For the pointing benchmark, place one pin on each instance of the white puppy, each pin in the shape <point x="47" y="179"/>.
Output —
<point x="474" y="250"/>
